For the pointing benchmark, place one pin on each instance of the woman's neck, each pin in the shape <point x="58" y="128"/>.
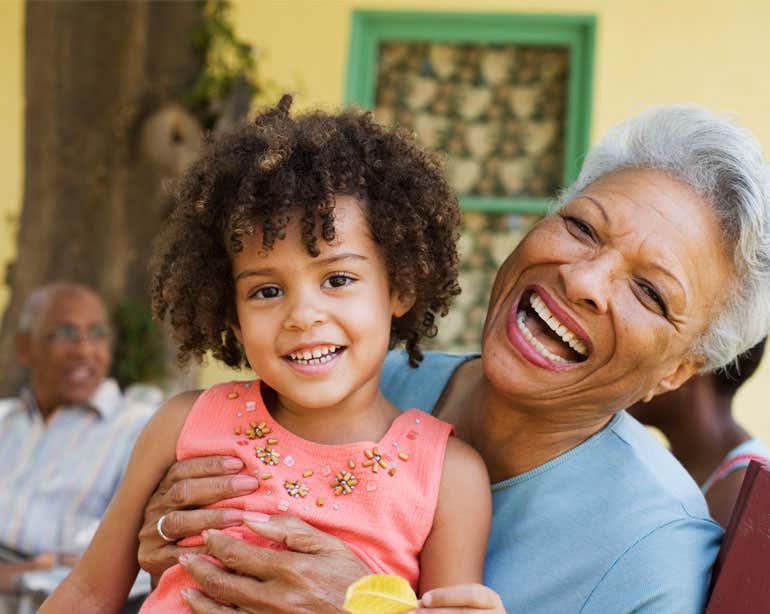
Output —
<point x="510" y="440"/>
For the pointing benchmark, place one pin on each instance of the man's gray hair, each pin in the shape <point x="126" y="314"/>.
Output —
<point x="724" y="164"/>
<point x="38" y="299"/>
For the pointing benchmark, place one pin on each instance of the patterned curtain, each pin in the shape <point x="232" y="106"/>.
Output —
<point x="496" y="113"/>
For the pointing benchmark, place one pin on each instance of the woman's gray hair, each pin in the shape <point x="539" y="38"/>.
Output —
<point x="724" y="164"/>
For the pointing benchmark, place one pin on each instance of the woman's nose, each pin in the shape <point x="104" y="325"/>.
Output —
<point x="589" y="281"/>
<point x="306" y="310"/>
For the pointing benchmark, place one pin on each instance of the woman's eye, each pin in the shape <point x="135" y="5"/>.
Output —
<point x="653" y="294"/>
<point x="580" y="226"/>
<point x="338" y="280"/>
<point x="266" y="292"/>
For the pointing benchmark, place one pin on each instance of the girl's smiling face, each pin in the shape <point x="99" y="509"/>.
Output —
<point x="601" y="302"/>
<point x="316" y="329"/>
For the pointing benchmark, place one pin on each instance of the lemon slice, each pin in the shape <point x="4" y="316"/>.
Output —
<point x="379" y="594"/>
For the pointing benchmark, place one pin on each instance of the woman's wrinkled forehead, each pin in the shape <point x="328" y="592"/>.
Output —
<point x="661" y="224"/>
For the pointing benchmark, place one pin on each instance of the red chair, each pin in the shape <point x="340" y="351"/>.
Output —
<point x="740" y="581"/>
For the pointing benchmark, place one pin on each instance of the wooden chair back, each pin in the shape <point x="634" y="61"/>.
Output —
<point x="740" y="581"/>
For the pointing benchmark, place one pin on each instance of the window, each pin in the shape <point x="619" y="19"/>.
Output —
<point x="504" y="99"/>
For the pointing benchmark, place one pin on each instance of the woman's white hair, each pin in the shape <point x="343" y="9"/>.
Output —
<point x="724" y="164"/>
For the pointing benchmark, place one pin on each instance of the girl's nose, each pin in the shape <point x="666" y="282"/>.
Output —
<point x="305" y="312"/>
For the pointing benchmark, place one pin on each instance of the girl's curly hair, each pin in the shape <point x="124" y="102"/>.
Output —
<point x="257" y="176"/>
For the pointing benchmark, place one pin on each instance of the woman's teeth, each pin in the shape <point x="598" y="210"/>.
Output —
<point x="534" y="342"/>
<point x="566" y="335"/>
<point x="317" y="356"/>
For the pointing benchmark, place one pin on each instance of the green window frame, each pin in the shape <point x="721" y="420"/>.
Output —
<point x="575" y="32"/>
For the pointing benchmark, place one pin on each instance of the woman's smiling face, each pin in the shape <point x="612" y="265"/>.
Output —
<point x="600" y="303"/>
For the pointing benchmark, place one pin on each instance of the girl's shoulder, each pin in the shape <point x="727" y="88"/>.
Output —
<point x="169" y="418"/>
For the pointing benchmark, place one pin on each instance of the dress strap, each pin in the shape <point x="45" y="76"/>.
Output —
<point x="729" y="465"/>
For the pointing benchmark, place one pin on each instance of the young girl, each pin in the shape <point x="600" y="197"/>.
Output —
<point x="306" y="247"/>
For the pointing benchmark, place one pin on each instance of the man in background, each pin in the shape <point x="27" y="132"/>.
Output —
<point x="66" y="439"/>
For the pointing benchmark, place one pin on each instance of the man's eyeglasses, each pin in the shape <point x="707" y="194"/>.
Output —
<point x="67" y="333"/>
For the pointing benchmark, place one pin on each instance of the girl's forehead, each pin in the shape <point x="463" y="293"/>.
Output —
<point x="352" y="235"/>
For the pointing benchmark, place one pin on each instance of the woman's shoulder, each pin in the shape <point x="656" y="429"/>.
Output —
<point x="640" y="484"/>
<point x="420" y="387"/>
<point x="613" y="510"/>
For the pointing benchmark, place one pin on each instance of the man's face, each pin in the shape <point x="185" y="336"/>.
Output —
<point x="67" y="350"/>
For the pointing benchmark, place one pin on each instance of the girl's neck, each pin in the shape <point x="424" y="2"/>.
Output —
<point x="365" y="417"/>
<point x="511" y="440"/>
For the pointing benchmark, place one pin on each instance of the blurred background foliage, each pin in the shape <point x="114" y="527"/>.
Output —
<point x="139" y="354"/>
<point x="227" y="62"/>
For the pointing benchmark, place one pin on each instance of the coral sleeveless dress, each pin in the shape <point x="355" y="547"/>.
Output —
<point x="378" y="497"/>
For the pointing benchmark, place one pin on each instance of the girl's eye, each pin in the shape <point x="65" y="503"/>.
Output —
<point x="266" y="292"/>
<point x="652" y="294"/>
<point x="579" y="226"/>
<point x="338" y="280"/>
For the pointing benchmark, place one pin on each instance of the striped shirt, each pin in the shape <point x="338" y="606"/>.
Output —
<point x="57" y="478"/>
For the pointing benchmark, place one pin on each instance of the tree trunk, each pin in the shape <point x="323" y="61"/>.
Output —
<point x="92" y="202"/>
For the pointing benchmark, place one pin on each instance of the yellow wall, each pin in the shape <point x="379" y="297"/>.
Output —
<point x="12" y="143"/>
<point x="647" y="51"/>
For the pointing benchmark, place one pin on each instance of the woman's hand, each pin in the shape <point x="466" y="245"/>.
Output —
<point x="190" y="483"/>
<point x="461" y="599"/>
<point x="311" y="577"/>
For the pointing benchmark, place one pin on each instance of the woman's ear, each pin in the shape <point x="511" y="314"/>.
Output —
<point x="686" y="369"/>
<point x="400" y="303"/>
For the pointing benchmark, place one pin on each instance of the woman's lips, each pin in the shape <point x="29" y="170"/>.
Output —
<point x="566" y="319"/>
<point x="543" y="338"/>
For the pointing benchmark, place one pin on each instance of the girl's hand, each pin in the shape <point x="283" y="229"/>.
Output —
<point x="311" y="577"/>
<point x="461" y="599"/>
<point x="190" y="483"/>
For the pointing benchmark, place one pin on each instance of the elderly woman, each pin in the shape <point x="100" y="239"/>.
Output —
<point x="655" y="266"/>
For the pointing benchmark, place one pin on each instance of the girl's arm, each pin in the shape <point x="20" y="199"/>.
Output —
<point x="452" y="560"/>
<point x="454" y="551"/>
<point x="102" y="579"/>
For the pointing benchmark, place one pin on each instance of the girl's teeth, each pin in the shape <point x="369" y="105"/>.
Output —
<point x="318" y="355"/>
<point x="314" y="361"/>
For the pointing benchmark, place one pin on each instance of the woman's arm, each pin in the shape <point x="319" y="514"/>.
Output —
<point x="313" y="574"/>
<point x="311" y="577"/>
<point x="103" y="577"/>
<point x="454" y="551"/>
<point x="190" y="483"/>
